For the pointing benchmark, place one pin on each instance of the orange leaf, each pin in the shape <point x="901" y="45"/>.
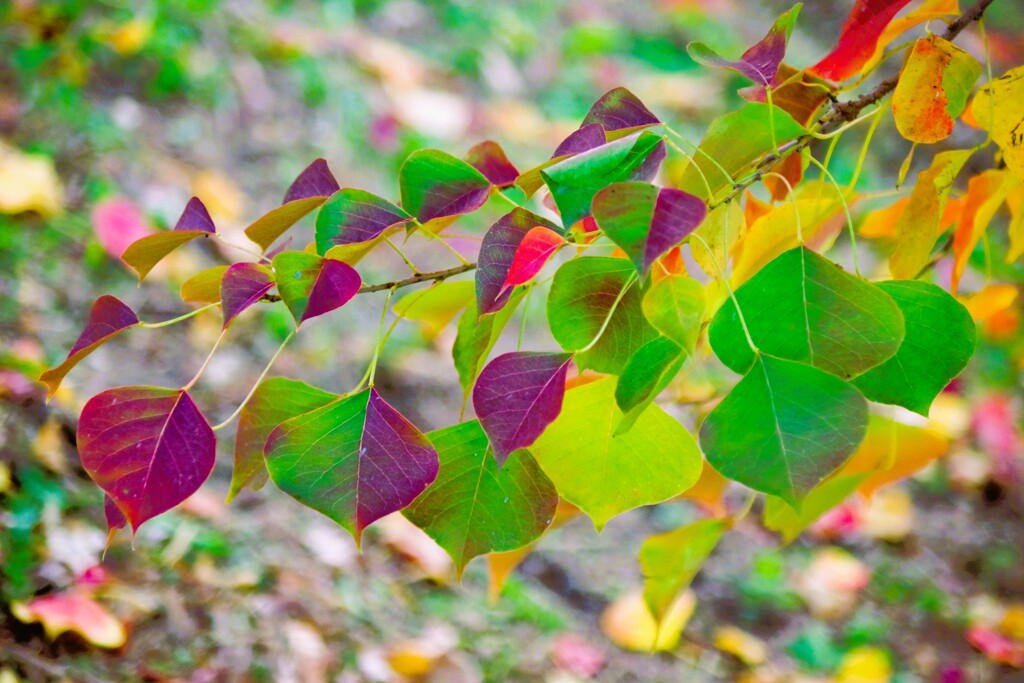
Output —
<point x="629" y="624"/>
<point x="985" y="194"/>
<point x="932" y="91"/>
<point x="891" y="451"/>
<point x="990" y="301"/>
<point x="61" y="612"/>
<point x="928" y="10"/>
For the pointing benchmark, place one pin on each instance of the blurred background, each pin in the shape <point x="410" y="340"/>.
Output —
<point x="114" y="113"/>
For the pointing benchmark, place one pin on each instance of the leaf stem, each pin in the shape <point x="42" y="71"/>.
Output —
<point x="172" y="321"/>
<point x="630" y="281"/>
<point x="401" y="255"/>
<point x="732" y="294"/>
<point x="380" y="337"/>
<point x="239" y="247"/>
<point x="437" y="238"/>
<point x="206" y="362"/>
<point x="259" y="379"/>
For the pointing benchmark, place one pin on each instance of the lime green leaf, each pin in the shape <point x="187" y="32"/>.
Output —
<point x="646" y="375"/>
<point x="204" y="286"/>
<point x="670" y="561"/>
<point x="437" y="306"/>
<point x="939" y="341"/>
<point x="779" y="516"/>
<point x="606" y="475"/>
<point x="475" y="508"/>
<point x="784" y="428"/>
<point x="475" y="338"/>
<point x="435" y="185"/>
<point x="675" y="306"/>
<point x="805" y="308"/>
<point x="582" y="295"/>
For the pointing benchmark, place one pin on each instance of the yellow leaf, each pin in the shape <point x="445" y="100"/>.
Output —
<point x="721" y="229"/>
<point x="49" y="446"/>
<point x="985" y="194"/>
<point x="889" y="515"/>
<point x="1015" y="202"/>
<point x="629" y="624"/>
<point x="204" y="286"/>
<point x="708" y="491"/>
<point x="129" y="37"/>
<point x="864" y="665"/>
<point x="917" y="227"/>
<point x="932" y="91"/>
<point x="990" y="301"/>
<point x="891" y="451"/>
<point x="749" y="649"/>
<point x="1012" y="623"/>
<point x="999" y="109"/>
<point x="928" y="10"/>
<point x="28" y="182"/>
<point x="222" y="197"/>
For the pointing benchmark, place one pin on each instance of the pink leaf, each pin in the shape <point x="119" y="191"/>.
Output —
<point x="62" y="612"/>
<point x="118" y="223"/>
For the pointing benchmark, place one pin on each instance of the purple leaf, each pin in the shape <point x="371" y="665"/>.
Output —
<point x="355" y="460"/>
<point x="149" y="448"/>
<point x="242" y="285"/>
<point x="316" y="180"/>
<point x="645" y="221"/>
<point x="497" y="251"/>
<point x="108" y="317"/>
<point x="112" y="513"/>
<point x="587" y="137"/>
<point x="761" y="62"/>
<point x="311" y="285"/>
<point x="517" y="396"/>
<point x="437" y="185"/>
<point x="352" y="216"/>
<point x="195" y="217"/>
<point x="620" y="110"/>
<point x="489" y="158"/>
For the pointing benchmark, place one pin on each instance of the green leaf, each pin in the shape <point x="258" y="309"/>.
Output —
<point x="475" y="508"/>
<point x="784" y="428"/>
<point x="736" y="142"/>
<point x="646" y="375"/>
<point x="274" y="401"/>
<point x="582" y="295"/>
<point x="675" y="306"/>
<point x="436" y="306"/>
<point x="939" y="342"/>
<point x="476" y="336"/>
<point x="311" y="285"/>
<point x="573" y="182"/>
<point x="670" y="561"/>
<point x="605" y="475"/>
<point x="803" y="307"/>
<point x="435" y="185"/>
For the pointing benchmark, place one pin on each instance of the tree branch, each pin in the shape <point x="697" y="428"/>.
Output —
<point x="434" y="276"/>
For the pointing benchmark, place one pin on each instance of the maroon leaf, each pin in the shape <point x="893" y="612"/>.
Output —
<point x="861" y="30"/>
<point x="489" y="158"/>
<point x="149" y="448"/>
<point x="112" y="513"/>
<point x="587" y="137"/>
<point x="761" y="62"/>
<point x="517" y="396"/>
<point x="497" y="252"/>
<point x="108" y="317"/>
<point x="316" y="180"/>
<point x="355" y="459"/>
<point x="311" y="285"/>
<point x="196" y="217"/>
<point x="242" y="285"/>
<point x="620" y="110"/>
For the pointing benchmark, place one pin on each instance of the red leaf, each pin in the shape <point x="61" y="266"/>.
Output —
<point x="537" y="247"/>
<point x="149" y="448"/>
<point x="860" y="33"/>
<point x="497" y="252"/>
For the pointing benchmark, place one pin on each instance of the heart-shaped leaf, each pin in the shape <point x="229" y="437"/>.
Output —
<point x="243" y="285"/>
<point x="805" y="308"/>
<point x="784" y="428"/>
<point x="274" y="401"/>
<point x="861" y="31"/>
<point x="311" y="285"/>
<point x="586" y="138"/>
<point x="574" y="181"/>
<point x="932" y="91"/>
<point x="646" y="221"/>
<point x="474" y="507"/>
<point x="356" y="460"/>
<point x="670" y="561"/>
<point x="352" y="216"/>
<point x="675" y="306"/>
<point x="149" y="448"/>
<point x="108" y="317"/>
<point x="939" y="341"/>
<point x="475" y="338"/>
<point x="204" y="286"/>
<point x="517" y="396"/>
<point x="647" y="374"/>
<point x="605" y="475"/>
<point x="435" y="185"/>
<point x="143" y="254"/>
<point x="489" y="158"/>
<point x="497" y="253"/>
<point x="309" y="190"/>
<point x="761" y="62"/>
<point x="584" y="293"/>
<point x="620" y="111"/>
<point x="537" y="247"/>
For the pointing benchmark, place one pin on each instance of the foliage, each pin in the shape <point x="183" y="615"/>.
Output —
<point x="625" y="212"/>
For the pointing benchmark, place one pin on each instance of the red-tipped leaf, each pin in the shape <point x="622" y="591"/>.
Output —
<point x="537" y="247"/>
<point x="860" y="33"/>
<point x="309" y="190"/>
<point x="497" y="252"/>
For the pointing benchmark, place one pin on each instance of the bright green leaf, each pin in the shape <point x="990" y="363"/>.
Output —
<point x="646" y="375"/>
<point x="675" y="306"/>
<point x="670" y="561"/>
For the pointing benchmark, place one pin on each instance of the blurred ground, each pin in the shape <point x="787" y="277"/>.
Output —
<point x="229" y="100"/>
